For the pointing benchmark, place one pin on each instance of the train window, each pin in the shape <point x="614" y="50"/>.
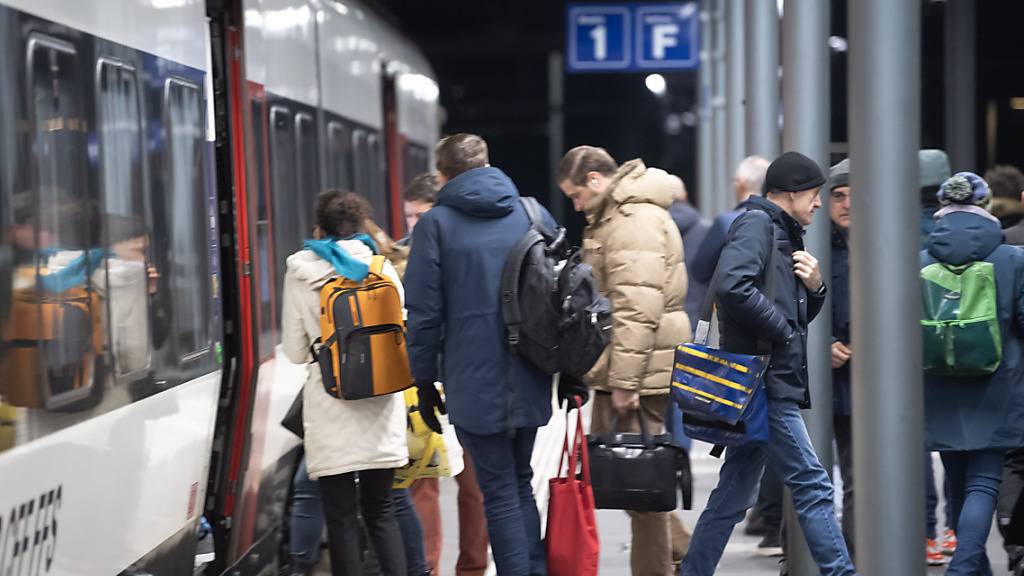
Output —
<point x="126" y="284"/>
<point x="377" y="186"/>
<point x="55" y="311"/>
<point x="339" y="159"/>
<point x="361" y="163"/>
<point x="260" y="191"/>
<point x="286" y="197"/>
<point x="187" y="254"/>
<point x="308" y="174"/>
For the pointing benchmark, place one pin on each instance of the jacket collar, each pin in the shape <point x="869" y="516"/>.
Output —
<point x="794" y="231"/>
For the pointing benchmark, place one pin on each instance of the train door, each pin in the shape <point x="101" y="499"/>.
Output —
<point x="393" y="141"/>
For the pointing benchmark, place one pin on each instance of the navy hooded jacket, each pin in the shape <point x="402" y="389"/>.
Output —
<point x="984" y="412"/>
<point x="453" y="295"/>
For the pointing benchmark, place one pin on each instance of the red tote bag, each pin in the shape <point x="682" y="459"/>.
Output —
<point x="573" y="545"/>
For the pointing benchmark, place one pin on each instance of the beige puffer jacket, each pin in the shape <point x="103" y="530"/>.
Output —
<point x="341" y="435"/>
<point x="637" y="255"/>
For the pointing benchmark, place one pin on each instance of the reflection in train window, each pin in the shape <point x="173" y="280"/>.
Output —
<point x="55" y="312"/>
<point x="376" y="191"/>
<point x="361" y="163"/>
<point x="286" y="198"/>
<point x="125" y="285"/>
<point x="260" y="191"/>
<point x="189" y="278"/>
<point x="308" y="178"/>
<point x="339" y="156"/>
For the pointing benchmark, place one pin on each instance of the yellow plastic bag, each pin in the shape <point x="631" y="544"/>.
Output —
<point x="431" y="455"/>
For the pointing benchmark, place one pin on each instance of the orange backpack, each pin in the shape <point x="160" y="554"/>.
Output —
<point x="361" y="350"/>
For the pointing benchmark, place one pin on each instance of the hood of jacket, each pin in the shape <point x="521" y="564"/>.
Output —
<point x="962" y="237"/>
<point x="635" y="183"/>
<point x="481" y="192"/>
<point x="315" y="271"/>
<point x="793" y="228"/>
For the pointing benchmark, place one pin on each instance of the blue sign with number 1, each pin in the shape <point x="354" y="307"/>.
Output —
<point x="622" y="37"/>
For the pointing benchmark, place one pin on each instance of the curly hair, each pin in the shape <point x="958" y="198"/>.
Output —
<point x="341" y="213"/>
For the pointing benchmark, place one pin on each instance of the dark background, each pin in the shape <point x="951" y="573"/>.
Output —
<point x="491" y="58"/>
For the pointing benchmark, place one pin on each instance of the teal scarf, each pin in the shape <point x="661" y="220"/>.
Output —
<point x="76" y="273"/>
<point x="344" y="264"/>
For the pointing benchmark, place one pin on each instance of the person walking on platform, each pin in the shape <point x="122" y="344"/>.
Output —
<point x="636" y="253"/>
<point x="974" y="396"/>
<point x="773" y="225"/>
<point x="496" y="400"/>
<point x="344" y="439"/>
<point x="419" y="197"/>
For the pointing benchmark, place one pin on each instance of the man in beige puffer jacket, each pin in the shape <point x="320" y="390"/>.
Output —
<point x="636" y="252"/>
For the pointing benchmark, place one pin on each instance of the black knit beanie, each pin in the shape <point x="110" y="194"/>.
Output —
<point x="792" y="172"/>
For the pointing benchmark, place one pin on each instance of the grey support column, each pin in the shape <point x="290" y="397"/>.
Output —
<point x="556" y="131"/>
<point x="705" y="150"/>
<point x="734" y="105"/>
<point x="805" y="98"/>
<point x="762" y="81"/>
<point x="961" y="109"/>
<point x="884" y="96"/>
<point x="722" y="188"/>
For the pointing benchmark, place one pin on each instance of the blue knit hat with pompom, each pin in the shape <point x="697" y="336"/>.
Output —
<point x="965" y="188"/>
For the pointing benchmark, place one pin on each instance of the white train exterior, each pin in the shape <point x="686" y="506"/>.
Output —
<point x="158" y="162"/>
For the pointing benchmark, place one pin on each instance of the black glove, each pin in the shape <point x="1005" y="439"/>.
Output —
<point x="430" y="400"/>
<point x="569" y="387"/>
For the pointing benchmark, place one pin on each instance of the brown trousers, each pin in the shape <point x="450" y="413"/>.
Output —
<point x="473" y="542"/>
<point x="659" y="538"/>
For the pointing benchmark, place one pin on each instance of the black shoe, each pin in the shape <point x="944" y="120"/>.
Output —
<point x="783" y="567"/>
<point x="770" y="545"/>
<point x="755" y="525"/>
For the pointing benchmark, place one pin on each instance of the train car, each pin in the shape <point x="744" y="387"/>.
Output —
<point x="158" y="162"/>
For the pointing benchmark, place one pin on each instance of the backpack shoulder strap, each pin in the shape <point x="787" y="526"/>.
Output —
<point x="510" y="312"/>
<point x="377" y="264"/>
<point x="532" y="208"/>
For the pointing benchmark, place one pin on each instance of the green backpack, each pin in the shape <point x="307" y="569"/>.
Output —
<point x="960" y="327"/>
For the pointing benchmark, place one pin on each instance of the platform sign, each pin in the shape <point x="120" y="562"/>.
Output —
<point x="667" y="36"/>
<point x="632" y="37"/>
<point x="599" y="37"/>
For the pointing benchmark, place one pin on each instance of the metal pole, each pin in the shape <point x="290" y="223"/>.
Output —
<point x="721" y="186"/>
<point x="734" y="104"/>
<point x="805" y="98"/>
<point x="762" y="81"/>
<point x="884" y="96"/>
<point x="556" y="131"/>
<point x="705" y="153"/>
<point x="961" y="112"/>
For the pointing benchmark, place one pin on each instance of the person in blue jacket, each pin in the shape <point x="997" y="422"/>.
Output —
<point x="973" y="421"/>
<point x="495" y="400"/>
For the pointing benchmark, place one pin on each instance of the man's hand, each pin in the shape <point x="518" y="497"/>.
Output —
<point x="430" y="400"/>
<point x="806" y="269"/>
<point x="840" y="354"/>
<point x="625" y="400"/>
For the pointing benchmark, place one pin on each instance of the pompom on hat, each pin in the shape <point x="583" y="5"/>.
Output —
<point x="965" y="188"/>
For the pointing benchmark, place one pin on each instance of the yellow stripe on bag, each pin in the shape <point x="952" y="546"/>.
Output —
<point x="705" y="356"/>
<point x="713" y="378"/>
<point x="707" y="395"/>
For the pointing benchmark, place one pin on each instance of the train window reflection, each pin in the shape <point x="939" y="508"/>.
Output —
<point x="126" y="284"/>
<point x="55" y="312"/>
<point x="308" y="174"/>
<point x="284" y="193"/>
<point x="376" y="191"/>
<point x="339" y="159"/>
<point x="186" y="253"/>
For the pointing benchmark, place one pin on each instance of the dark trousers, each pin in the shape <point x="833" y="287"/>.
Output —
<point x="974" y="485"/>
<point x="503" y="471"/>
<point x="844" y="443"/>
<point x="769" y="500"/>
<point x="342" y="504"/>
<point x="412" y="532"/>
<point x="1010" y="507"/>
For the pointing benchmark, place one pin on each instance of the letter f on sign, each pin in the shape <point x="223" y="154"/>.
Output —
<point x="663" y="36"/>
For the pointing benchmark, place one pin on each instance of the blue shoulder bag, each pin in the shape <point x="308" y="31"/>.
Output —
<point x="722" y="394"/>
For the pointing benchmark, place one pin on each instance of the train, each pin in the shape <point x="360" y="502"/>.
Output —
<point x="159" y="160"/>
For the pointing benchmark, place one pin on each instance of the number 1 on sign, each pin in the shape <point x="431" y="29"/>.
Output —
<point x="599" y="34"/>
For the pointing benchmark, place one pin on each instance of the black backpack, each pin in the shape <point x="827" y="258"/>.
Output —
<point x="554" y="314"/>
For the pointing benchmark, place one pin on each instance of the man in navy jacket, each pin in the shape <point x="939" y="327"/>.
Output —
<point x="457" y="335"/>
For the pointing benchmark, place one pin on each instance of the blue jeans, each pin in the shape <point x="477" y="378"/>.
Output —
<point x="307" y="523"/>
<point x="412" y="532"/>
<point x="789" y="453"/>
<point x="503" y="471"/>
<point x="974" y="486"/>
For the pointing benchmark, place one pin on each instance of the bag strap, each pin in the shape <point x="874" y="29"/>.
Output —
<point x="579" y="447"/>
<point x="648" y="442"/>
<point x="707" y="308"/>
<point x="377" y="264"/>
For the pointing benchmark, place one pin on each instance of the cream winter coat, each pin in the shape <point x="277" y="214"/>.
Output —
<point x="341" y="435"/>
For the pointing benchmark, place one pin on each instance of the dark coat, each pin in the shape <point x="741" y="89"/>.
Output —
<point x="1014" y="235"/>
<point x="452" y="292"/>
<point x="693" y="229"/>
<point x="702" y="265"/>
<point x="840" y="289"/>
<point x="975" y="413"/>
<point x="747" y="315"/>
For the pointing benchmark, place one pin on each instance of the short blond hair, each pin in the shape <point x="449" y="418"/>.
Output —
<point x="459" y="153"/>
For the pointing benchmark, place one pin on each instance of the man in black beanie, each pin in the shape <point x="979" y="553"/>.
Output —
<point x="768" y="290"/>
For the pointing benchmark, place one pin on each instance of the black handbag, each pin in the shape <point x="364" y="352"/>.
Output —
<point x="292" y="420"/>
<point x="638" y="472"/>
